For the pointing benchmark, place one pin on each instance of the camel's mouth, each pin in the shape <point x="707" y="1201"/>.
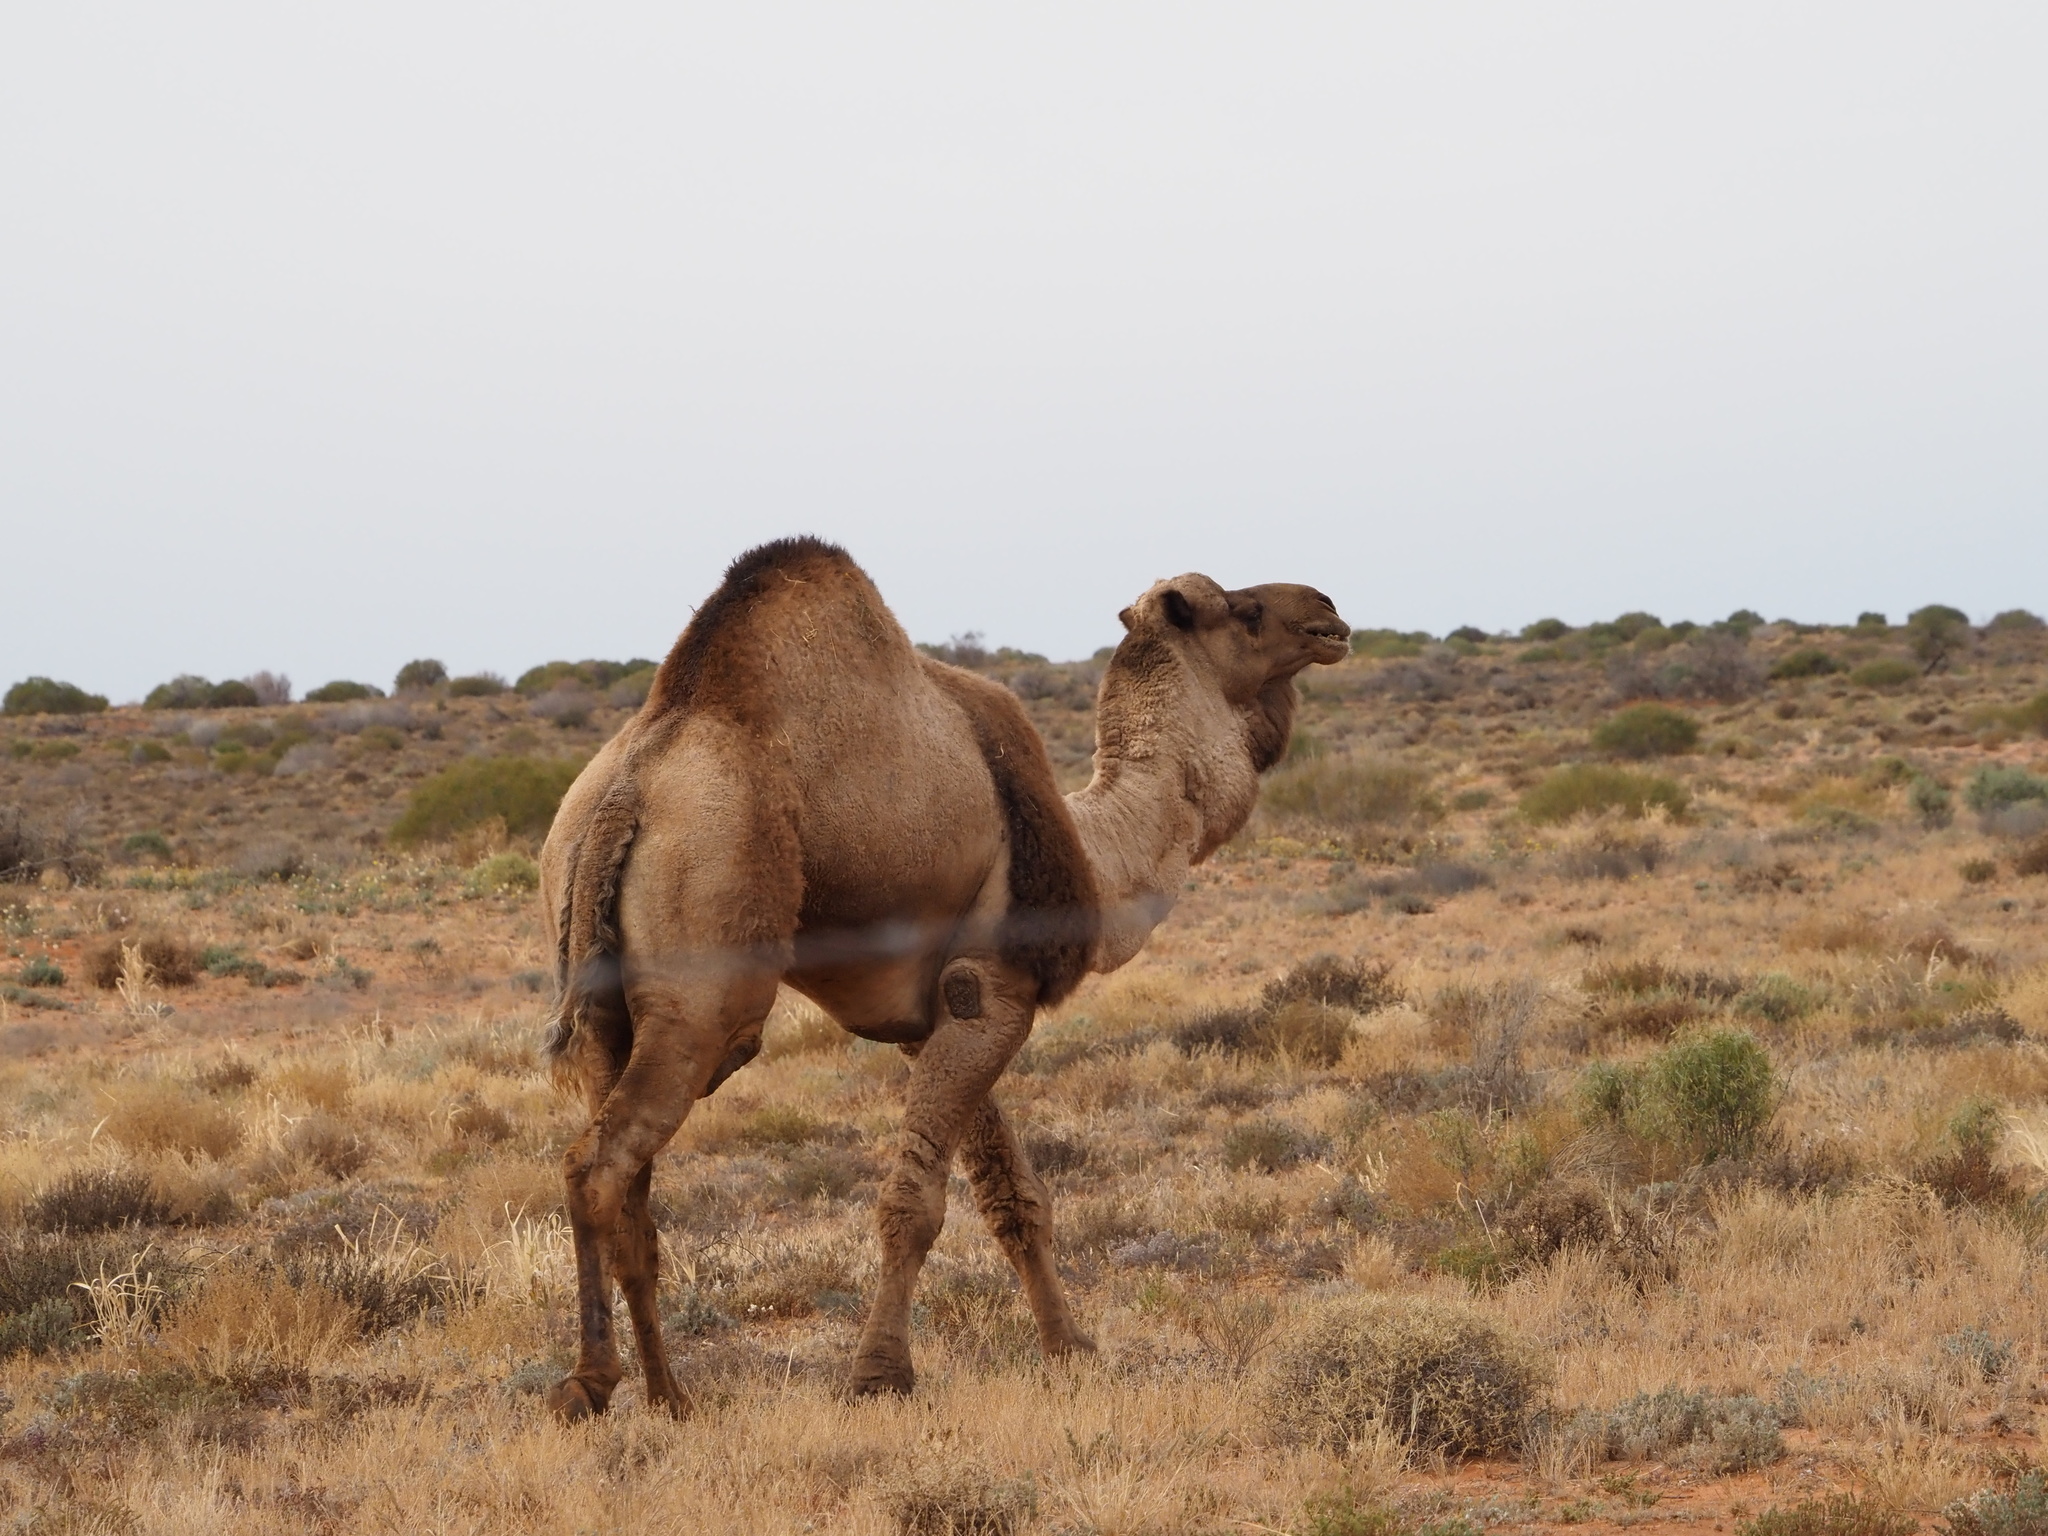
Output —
<point x="1327" y="642"/>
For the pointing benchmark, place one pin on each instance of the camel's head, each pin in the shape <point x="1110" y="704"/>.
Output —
<point x="1247" y="640"/>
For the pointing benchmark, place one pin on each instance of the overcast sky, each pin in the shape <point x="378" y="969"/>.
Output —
<point x="336" y="335"/>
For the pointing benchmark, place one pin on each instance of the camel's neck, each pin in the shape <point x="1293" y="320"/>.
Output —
<point x="1176" y="775"/>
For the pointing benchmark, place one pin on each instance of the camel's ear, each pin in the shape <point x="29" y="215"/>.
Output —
<point x="1180" y="613"/>
<point x="1126" y="617"/>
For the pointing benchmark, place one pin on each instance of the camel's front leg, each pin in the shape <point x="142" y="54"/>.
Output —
<point x="1018" y="1211"/>
<point x="985" y="1016"/>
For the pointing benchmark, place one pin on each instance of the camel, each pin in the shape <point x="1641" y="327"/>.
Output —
<point x="806" y="800"/>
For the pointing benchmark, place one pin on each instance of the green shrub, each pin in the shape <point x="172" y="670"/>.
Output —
<point x="1870" y="618"/>
<point x="342" y="691"/>
<point x="2030" y="716"/>
<point x="1596" y="787"/>
<point x="523" y="790"/>
<point x="232" y="694"/>
<point x="502" y="872"/>
<point x="1438" y="1376"/>
<point x="42" y="971"/>
<point x="1885" y="672"/>
<point x="2015" y="621"/>
<point x="1807" y="661"/>
<point x="45" y="696"/>
<point x="1931" y="802"/>
<point x="1387" y="644"/>
<point x="1994" y="789"/>
<point x="1776" y="998"/>
<point x="477" y="685"/>
<point x="1346" y="791"/>
<point x="1937" y="633"/>
<point x="1648" y="730"/>
<point x="146" y="845"/>
<point x="185" y="691"/>
<point x="420" y="674"/>
<point x="1546" y="630"/>
<point x="149" y="752"/>
<point x="600" y="675"/>
<point x="1705" y="1097"/>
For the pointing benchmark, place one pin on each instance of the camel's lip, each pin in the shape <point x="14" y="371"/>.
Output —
<point x="1335" y="636"/>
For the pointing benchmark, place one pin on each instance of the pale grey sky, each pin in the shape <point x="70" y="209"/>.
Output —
<point x="336" y="335"/>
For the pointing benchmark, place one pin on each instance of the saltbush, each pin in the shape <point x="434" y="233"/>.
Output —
<point x="2022" y="1512"/>
<point x="1648" y="730"/>
<point x="502" y="872"/>
<point x="1885" y="672"/>
<point x="1595" y="787"/>
<point x="477" y="685"/>
<point x="46" y="696"/>
<point x="1994" y="789"/>
<point x="1841" y="1515"/>
<point x="523" y="790"/>
<point x="1436" y="1375"/>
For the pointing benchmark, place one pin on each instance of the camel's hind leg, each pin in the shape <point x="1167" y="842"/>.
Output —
<point x="684" y="1037"/>
<point x="1018" y="1211"/>
<point x="987" y="1016"/>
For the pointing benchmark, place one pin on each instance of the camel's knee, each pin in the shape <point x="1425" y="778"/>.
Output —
<point x="911" y="1206"/>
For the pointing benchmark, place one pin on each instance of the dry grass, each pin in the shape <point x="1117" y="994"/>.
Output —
<point x="281" y="1243"/>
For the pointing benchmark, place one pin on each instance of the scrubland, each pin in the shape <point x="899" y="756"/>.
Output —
<point x="1542" y="1115"/>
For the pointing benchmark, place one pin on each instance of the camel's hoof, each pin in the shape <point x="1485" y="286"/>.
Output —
<point x="572" y="1398"/>
<point x="1076" y="1343"/>
<point x="873" y="1378"/>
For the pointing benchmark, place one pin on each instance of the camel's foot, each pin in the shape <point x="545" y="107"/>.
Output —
<point x="1071" y="1341"/>
<point x="672" y="1399"/>
<point x="874" y="1375"/>
<point x="574" y="1398"/>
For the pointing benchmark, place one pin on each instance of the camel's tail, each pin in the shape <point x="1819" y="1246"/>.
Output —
<point x="590" y="1033"/>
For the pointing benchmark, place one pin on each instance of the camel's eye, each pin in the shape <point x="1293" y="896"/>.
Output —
<point x="1251" y="616"/>
<point x="1322" y="599"/>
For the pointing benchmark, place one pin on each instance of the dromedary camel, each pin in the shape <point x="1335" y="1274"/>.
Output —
<point x="804" y="799"/>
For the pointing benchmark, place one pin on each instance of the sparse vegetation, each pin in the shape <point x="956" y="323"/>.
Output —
<point x="1730" y="1119"/>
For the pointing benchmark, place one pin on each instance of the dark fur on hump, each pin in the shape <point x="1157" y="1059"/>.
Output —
<point x="1055" y="914"/>
<point x="586" y="965"/>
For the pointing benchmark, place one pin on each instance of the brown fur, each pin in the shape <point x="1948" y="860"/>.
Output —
<point x="804" y="800"/>
<point x="1052" y="923"/>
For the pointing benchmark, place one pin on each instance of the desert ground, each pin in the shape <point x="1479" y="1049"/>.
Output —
<point x="1605" y="1085"/>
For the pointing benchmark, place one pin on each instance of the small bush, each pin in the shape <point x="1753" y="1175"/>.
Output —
<point x="1721" y="1434"/>
<point x="1706" y="1097"/>
<point x="1648" y="730"/>
<point x="1965" y="1171"/>
<point x="502" y="873"/>
<point x="477" y="685"/>
<point x="1345" y="791"/>
<point x="1595" y="787"/>
<point x="420" y="675"/>
<point x="1931" y="802"/>
<point x="2022" y="1512"/>
<point x="232" y="694"/>
<point x="1843" y="1515"/>
<point x="41" y="971"/>
<point x="2015" y="621"/>
<point x="951" y="1500"/>
<point x="1360" y="985"/>
<point x="96" y="1200"/>
<point x="1546" y="631"/>
<point x="523" y="790"/>
<point x="329" y="1144"/>
<point x="1885" y="672"/>
<point x="1996" y="789"/>
<point x="342" y="691"/>
<point x="160" y="1117"/>
<point x="1267" y="1146"/>
<point x="1807" y="661"/>
<point x="2031" y="860"/>
<point x="185" y="691"/>
<point x="1979" y="871"/>
<point x="1776" y="999"/>
<point x="1439" y="1377"/>
<point x="46" y="696"/>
